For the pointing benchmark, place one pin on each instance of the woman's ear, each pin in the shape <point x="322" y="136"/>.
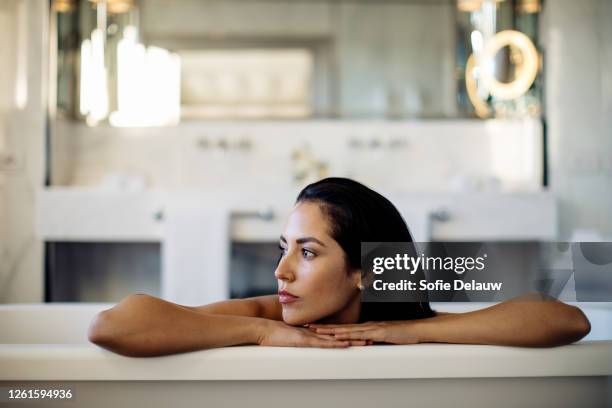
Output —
<point x="367" y="280"/>
<point x="360" y="281"/>
<point x="356" y="276"/>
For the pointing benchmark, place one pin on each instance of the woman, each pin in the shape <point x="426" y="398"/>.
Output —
<point x="319" y="301"/>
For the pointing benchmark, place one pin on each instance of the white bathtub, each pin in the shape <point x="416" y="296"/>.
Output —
<point x="44" y="346"/>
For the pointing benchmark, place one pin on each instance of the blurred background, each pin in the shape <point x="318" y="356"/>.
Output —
<point x="157" y="147"/>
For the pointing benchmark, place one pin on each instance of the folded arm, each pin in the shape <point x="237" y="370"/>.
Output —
<point x="527" y="321"/>
<point x="146" y="326"/>
<point x="142" y="326"/>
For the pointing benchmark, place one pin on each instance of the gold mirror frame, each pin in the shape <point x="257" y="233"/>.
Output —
<point x="523" y="80"/>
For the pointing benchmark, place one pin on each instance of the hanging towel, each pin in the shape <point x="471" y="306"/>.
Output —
<point x="195" y="252"/>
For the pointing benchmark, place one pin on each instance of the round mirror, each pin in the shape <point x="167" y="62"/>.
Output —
<point x="517" y="67"/>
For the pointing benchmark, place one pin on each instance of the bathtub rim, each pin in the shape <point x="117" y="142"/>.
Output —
<point x="86" y="362"/>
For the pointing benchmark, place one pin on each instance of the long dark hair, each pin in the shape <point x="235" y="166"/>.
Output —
<point x="358" y="214"/>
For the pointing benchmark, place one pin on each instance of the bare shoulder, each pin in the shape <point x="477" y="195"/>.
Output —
<point x="267" y="307"/>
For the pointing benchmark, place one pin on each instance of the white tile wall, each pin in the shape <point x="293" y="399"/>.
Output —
<point x="430" y="156"/>
<point x="578" y="40"/>
<point x="21" y="262"/>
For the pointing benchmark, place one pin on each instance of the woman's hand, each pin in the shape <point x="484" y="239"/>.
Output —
<point x="394" y="332"/>
<point x="279" y="334"/>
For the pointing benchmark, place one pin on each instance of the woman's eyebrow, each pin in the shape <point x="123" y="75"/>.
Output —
<point x="303" y="240"/>
<point x="309" y="239"/>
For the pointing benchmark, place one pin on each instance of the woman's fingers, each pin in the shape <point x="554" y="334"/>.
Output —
<point x="334" y="326"/>
<point x="365" y="335"/>
<point x="317" y="342"/>
<point x="323" y="340"/>
<point x="337" y="343"/>
<point x="325" y="336"/>
<point x="355" y="335"/>
<point x="282" y="335"/>
<point x="342" y="329"/>
<point x="327" y="341"/>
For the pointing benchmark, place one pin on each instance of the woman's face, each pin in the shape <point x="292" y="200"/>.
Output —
<point x="313" y="281"/>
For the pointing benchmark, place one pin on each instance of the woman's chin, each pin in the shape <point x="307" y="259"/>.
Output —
<point x="295" y="319"/>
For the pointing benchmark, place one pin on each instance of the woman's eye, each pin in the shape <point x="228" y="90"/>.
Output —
<point x="308" y="254"/>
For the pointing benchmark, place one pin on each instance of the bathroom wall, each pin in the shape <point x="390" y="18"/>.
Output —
<point x="578" y="41"/>
<point x="402" y="156"/>
<point x="7" y="52"/>
<point x="21" y="262"/>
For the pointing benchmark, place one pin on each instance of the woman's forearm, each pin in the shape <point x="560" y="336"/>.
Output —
<point x="142" y="325"/>
<point x="524" y="321"/>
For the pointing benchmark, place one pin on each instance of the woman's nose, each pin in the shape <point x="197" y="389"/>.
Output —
<point x="284" y="269"/>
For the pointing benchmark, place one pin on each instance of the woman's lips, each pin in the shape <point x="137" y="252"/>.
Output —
<point x="286" y="297"/>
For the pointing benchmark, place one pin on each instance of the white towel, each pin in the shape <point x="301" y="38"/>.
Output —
<point x="195" y="253"/>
